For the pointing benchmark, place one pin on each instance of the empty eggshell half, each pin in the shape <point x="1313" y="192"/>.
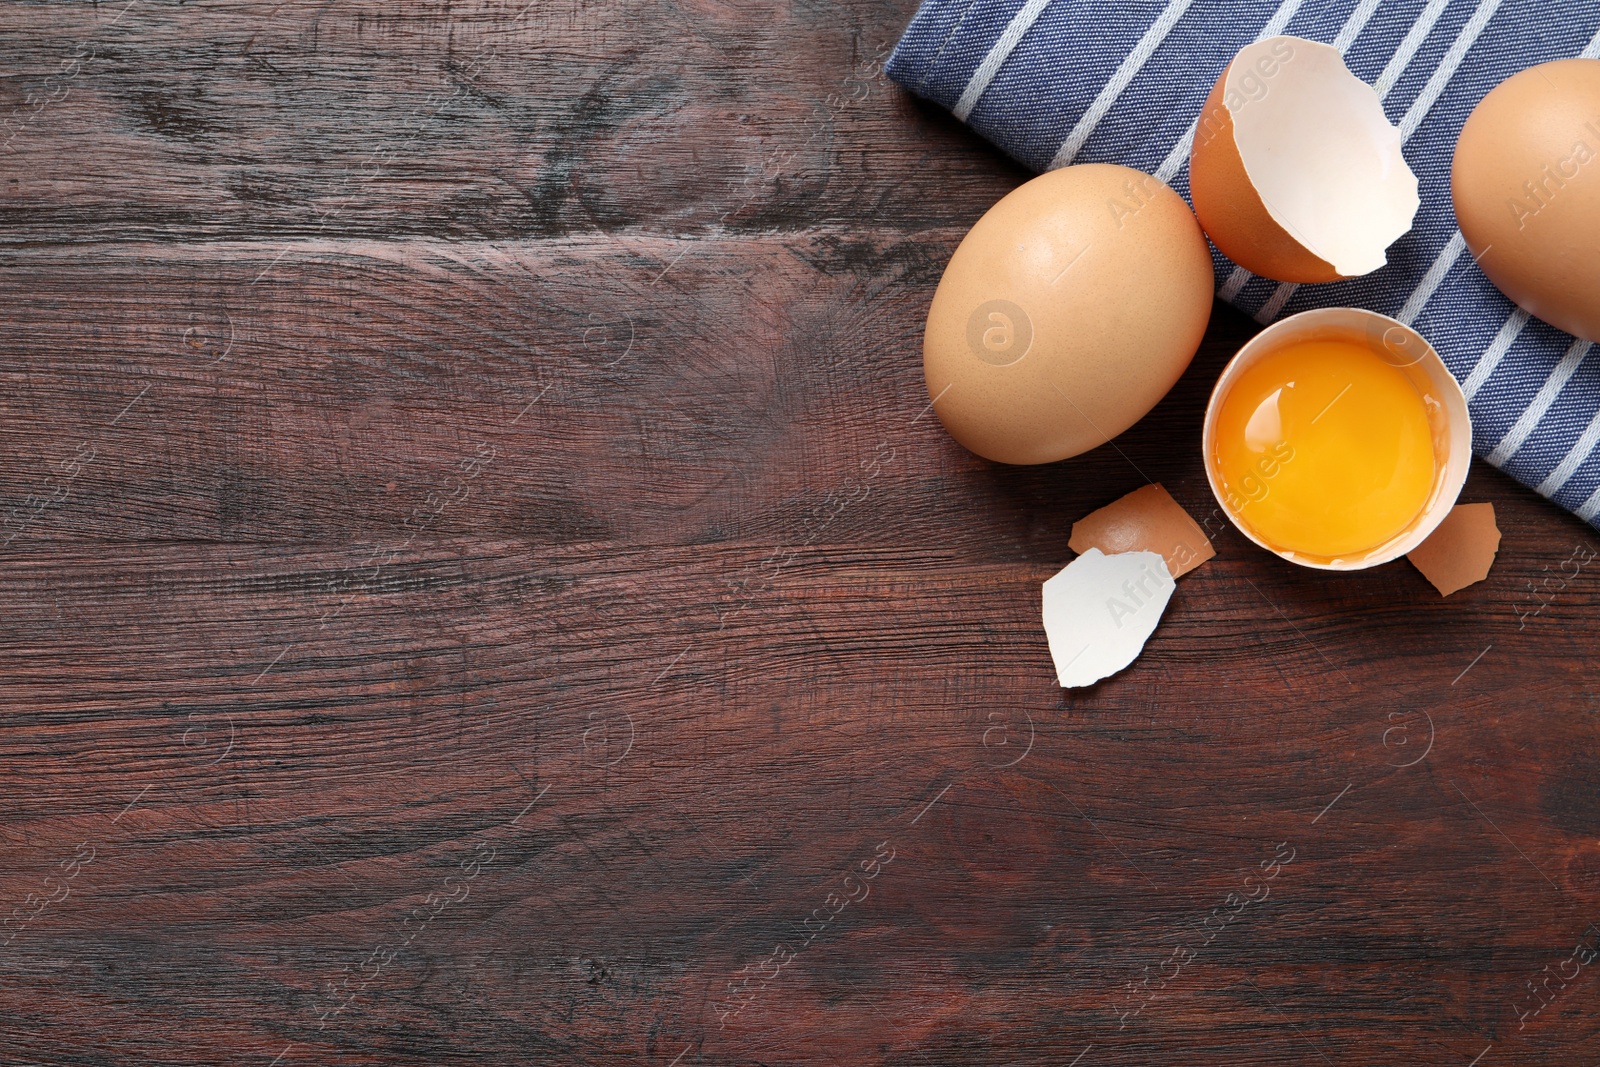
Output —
<point x="1297" y="174"/>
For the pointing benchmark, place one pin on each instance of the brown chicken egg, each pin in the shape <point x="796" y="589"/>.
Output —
<point x="1526" y="185"/>
<point x="1066" y="313"/>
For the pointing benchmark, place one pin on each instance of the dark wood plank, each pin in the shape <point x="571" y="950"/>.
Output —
<point x="383" y="747"/>
<point x="463" y="120"/>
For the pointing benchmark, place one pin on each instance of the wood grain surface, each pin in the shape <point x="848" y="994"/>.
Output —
<point x="481" y="584"/>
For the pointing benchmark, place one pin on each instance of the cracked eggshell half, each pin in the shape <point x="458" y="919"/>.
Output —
<point x="1526" y="185"/>
<point x="1297" y="174"/>
<point x="1066" y="313"/>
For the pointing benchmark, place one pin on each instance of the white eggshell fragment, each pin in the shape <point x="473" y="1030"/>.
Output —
<point x="1100" y="610"/>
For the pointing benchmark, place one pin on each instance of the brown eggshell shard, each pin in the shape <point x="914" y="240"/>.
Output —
<point x="1296" y="173"/>
<point x="1066" y="313"/>
<point x="1459" y="552"/>
<point x="1230" y="210"/>
<point x="1526" y="186"/>
<point x="1146" y="520"/>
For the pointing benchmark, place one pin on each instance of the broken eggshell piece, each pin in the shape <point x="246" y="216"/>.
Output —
<point x="1147" y="519"/>
<point x="1297" y="174"/>
<point x="1460" y="551"/>
<point x="1099" y="611"/>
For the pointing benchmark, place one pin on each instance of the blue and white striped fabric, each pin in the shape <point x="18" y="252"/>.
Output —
<point x="1053" y="82"/>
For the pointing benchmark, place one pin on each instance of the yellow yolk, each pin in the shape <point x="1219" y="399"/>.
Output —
<point x="1324" y="448"/>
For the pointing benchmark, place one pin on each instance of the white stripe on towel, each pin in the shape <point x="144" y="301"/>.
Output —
<point x="1529" y="419"/>
<point x="1020" y="23"/>
<point x="1589" y="508"/>
<point x="1408" y="48"/>
<point x="1355" y="24"/>
<point x="1124" y="74"/>
<point x="1503" y="340"/>
<point x="1236" y="281"/>
<point x="1280" y="296"/>
<point x="1447" y="68"/>
<point x="1430" y="281"/>
<point x="1179" y="154"/>
<point x="1280" y="19"/>
<point x="1573" y="459"/>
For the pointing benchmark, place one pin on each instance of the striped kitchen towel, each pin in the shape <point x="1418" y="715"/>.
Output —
<point x="1053" y="82"/>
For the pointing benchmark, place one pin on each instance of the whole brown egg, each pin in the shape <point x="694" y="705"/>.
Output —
<point x="1066" y="313"/>
<point x="1526" y="185"/>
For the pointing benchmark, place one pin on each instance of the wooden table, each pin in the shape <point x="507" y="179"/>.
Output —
<point x="482" y="585"/>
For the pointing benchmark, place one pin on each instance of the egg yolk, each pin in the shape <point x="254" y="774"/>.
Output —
<point x="1324" y="448"/>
